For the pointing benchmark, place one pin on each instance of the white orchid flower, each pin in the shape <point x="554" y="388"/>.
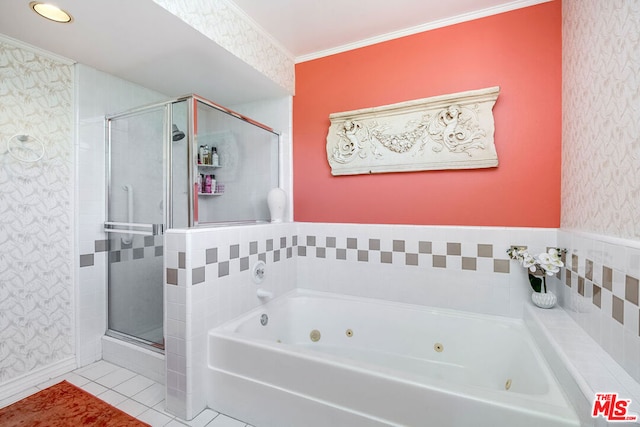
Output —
<point x="550" y="261"/>
<point x="549" y="264"/>
<point x="551" y="270"/>
<point x="555" y="257"/>
<point x="529" y="262"/>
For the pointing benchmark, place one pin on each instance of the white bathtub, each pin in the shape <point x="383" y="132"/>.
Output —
<point x="400" y="364"/>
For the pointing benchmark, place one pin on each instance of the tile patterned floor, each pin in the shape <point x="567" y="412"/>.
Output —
<point x="134" y="394"/>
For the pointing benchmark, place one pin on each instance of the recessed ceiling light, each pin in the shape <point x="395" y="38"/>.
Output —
<point x="50" y="11"/>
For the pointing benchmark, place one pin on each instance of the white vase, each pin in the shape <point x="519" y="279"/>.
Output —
<point x="544" y="299"/>
<point x="277" y="201"/>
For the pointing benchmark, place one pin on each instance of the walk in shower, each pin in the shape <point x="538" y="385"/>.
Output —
<point x="187" y="162"/>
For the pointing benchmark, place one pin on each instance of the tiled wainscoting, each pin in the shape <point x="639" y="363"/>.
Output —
<point x="208" y="277"/>
<point x="465" y="268"/>
<point x="600" y="293"/>
<point x="208" y="280"/>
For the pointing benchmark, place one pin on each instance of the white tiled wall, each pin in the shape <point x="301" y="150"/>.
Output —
<point x="208" y="281"/>
<point x="249" y="167"/>
<point x="277" y="114"/>
<point x="588" y="294"/>
<point x="408" y="266"/>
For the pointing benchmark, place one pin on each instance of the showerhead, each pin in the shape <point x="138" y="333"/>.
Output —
<point x="177" y="134"/>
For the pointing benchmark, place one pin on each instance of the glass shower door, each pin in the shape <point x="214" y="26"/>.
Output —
<point x="136" y="219"/>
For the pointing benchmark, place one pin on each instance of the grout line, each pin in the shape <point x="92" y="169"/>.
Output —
<point x="129" y="400"/>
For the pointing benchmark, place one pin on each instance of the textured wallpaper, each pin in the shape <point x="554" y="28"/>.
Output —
<point x="225" y="24"/>
<point x="36" y="214"/>
<point x="601" y="117"/>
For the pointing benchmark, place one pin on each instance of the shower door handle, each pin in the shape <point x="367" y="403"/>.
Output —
<point x="134" y="228"/>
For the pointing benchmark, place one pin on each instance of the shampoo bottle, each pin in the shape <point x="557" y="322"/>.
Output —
<point x="215" y="160"/>
<point x="200" y="183"/>
<point x="200" y="154"/>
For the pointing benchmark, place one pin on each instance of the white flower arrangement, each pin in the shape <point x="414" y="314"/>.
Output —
<point x="539" y="266"/>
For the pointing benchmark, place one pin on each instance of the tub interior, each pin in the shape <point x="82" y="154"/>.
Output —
<point x="314" y="342"/>
<point x="413" y="342"/>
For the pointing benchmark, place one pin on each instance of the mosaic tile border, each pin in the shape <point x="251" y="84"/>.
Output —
<point x="429" y="254"/>
<point x="240" y="256"/>
<point x="590" y="282"/>
<point x="598" y="278"/>
<point x="476" y="257"/>
<point x="141" y="247"/>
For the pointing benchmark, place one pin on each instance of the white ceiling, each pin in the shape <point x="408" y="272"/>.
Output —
<point x="141" y="42"/>
<point x="310" y="28"/>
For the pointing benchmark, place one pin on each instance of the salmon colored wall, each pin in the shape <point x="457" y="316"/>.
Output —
<point x="520" y="51"/>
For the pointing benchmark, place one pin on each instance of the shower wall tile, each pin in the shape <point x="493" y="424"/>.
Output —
<point x="92" y="293"/>
<point x="86" y="260"/>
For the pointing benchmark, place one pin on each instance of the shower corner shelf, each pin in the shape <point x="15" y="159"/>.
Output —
<point x="211" y="194"/>
<point x="200" y="165"/>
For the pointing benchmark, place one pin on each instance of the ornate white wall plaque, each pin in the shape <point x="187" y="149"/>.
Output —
<point x="452" y="131"/>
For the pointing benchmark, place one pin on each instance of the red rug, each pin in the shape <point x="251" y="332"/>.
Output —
<point x="65" y="405"/>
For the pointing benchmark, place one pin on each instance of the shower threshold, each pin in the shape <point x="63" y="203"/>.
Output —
<point x="157" y="347"/>
<point x="229" y="223"/>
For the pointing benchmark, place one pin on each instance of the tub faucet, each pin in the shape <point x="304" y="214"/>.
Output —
<point x="263" y="293"/>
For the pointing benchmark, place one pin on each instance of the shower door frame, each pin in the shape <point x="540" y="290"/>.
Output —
<point x="167" y="180"/>
<point x="154" y="229"/>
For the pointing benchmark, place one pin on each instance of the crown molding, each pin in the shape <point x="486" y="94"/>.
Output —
<point x="465" y="17"/>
